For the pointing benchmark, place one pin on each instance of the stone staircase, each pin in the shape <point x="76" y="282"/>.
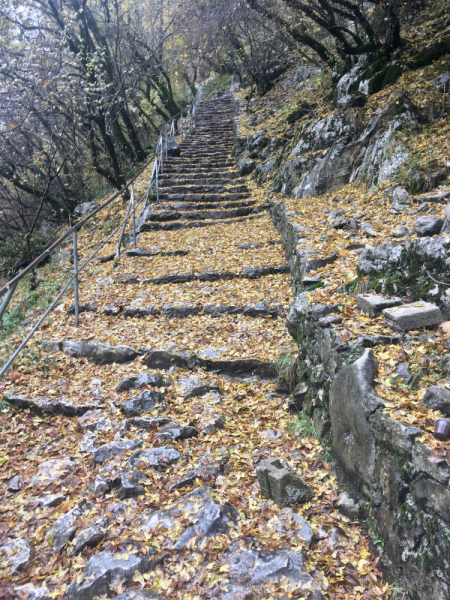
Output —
<point x="165" y="398"/>
<point x="201" y="186"/>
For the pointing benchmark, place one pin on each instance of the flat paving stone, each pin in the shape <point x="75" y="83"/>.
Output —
<point x="413" y="316"/>
<point x="374" y="304"/>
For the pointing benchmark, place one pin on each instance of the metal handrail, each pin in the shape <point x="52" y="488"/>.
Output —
<point x="161" y="148"/>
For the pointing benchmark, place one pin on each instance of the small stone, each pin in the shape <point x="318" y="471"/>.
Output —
<point x="53" y="470"/>
<point x="437" y="398"/>
<point x="444" y="363"/>
<point x="442" y="82"/>
<point x="428" y="226"/>
<point x="271" y="434"/>
<point x="104" y="452"/>
<point x="160" y="457"/>
<point x="402" y="231"/>
<point x="329" y="320"/>
<point x="402" y="373"/>
<point x="248" y="245"/>
<point x="64" y="528"/>
<point x="31" y="592"/>
<point x="140" y="252"/>
<point x="416" y="378"/>
<point x="140" y="311"/>
<point x="413" y="316"/>
<point x="251" y="566"/>
<point x="369" y="229"/>
<point x="17" y="554"/>
<point x="90" y="537"/>
<point x="137" y="382"/>
<point x="51" y="500"/>
<point x="192" y="386"/>
<point x="127" y="484"/>
<point x="205" y="517"/>
<point x="103" y="568"/>
<point x="146" y="422"/>
<point x="100" y="353"/>
<point x="165" y="359"/>
<point x="99" y="486"/>
<point x="93" y="420"/>
<point x="401" y="200"/>
<point x="210" y="424"/>
<point x="423" y="207"/>
<point x="207" y="469"/>
<point x="348" y="507"/>
<point x="282" y="484"/>
<point x="339" y="223"/>
<point x="139" y="595"/>
<point x="374" y="305"/>
<point x="15" y="484"/>
<point x="310" y="281"/>
<point x="146" y="401"/>
<point x="88" y="442"/>
<point x="173" y="432"/>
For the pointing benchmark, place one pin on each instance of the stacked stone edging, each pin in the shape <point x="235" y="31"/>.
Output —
<point x="404" y="496"/>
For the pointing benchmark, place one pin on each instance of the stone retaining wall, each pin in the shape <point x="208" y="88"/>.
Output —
<point x="402" y="495"/>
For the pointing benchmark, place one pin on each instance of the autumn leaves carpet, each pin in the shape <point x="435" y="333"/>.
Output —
<point x="131" y="446"/>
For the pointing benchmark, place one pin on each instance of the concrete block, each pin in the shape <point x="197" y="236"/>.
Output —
<point x="374" y="305"/>
<point x="281" y="484"/>
<point x="413" y="316"/>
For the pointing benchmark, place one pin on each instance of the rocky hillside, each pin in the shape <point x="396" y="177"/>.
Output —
<point x="356" y="170"/>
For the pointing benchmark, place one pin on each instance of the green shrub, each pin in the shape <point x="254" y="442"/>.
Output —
<point x="13" y="250"/>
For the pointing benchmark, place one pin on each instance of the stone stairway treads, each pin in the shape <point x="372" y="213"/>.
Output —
<point x="271" y="292"/>
<point x="130" y="449"/>
<point x="238" y="336"/>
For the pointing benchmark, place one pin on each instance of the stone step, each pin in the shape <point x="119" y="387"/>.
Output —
<point x="202" y="173"/>
<point x="202" y="215"/>
<point x="205" y="154"/>
<point x="164" y="359"/>
<point x="177" y="224"/>
<point x="185" y="206"/>
<point x="207" y="275"/>
<point x="201" y="198"/>
<point x="216" y="181"/>
<point x="199" y="164"/>
<point x="207" y="189"/>
<point x="177" y="311"/>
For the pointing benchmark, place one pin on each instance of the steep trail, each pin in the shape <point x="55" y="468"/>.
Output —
<point x="134" y="461"/>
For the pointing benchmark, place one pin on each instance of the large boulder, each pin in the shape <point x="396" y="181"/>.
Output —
<point x="352" y="402"/>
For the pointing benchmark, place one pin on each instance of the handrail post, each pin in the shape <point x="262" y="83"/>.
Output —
<point x="157" y="181"/>
<point x="75" y="272"/>
<point x="134" y="216"/>
<point x="165" y="129"/>
<point x="6" y="299"/>
<point x="123" y="230"/>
